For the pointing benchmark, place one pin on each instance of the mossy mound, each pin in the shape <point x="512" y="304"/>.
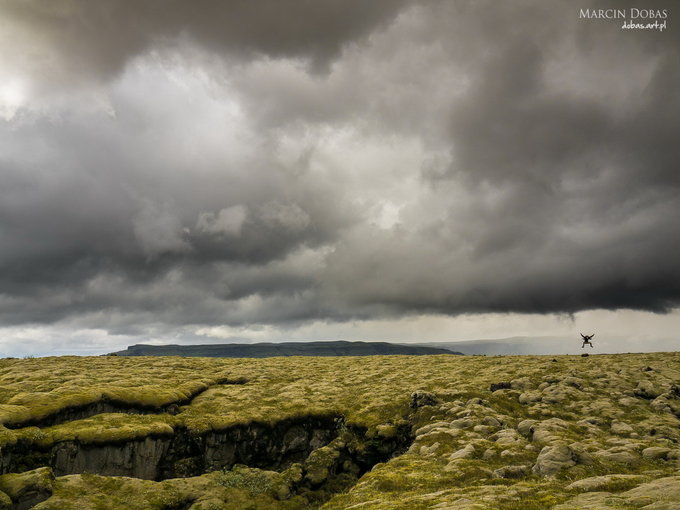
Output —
<point x="24" y="490"/>
<point x="608" y="421"/>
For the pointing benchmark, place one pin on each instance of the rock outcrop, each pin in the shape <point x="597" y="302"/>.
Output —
<point x="552" y="459"/>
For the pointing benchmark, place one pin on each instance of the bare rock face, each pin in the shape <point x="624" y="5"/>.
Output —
<point x="554" y="459"/>
<point x="549" y="431"/>
<point x="134" y="458"/>
<point x="530" y="397"/>
<point x="522" y="383"/>
<point x="668" y="401"/>
<point x="492" y="421"/>
<point x="581" y="454"/>
<point x="661" y="404"/>
<point x="621" y="428"/>
<point x="427" y="451"/>
<point x="489" y="454"/>
<point x="647" y="390"/>
<point x="468" y="452"/>
<point x="674" y="391"/>
<point x="464" y="453"/>
<point x="656" y="452"/>
<point x="462" y="423"/>
<point x="526" y="427"/>
<point x="506" y="437"/>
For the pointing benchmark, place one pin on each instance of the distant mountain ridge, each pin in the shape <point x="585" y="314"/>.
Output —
<point x="268" y="349"/>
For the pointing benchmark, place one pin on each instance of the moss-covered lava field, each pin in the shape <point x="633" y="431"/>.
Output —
<point x="413" y="432"/>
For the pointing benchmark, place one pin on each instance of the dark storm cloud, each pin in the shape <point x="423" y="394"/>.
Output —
<point x="451" y="157"/>
<point x="95" y="39"/>
<point x="91" y="221"/>
<point x="603" y="172"/>
<point x="572" y="192"/>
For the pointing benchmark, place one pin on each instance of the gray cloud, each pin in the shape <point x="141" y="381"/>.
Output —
<point x="69" y="40"/>
<point x="334" y="160"/>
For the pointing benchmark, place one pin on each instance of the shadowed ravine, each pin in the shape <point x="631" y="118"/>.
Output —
<point x="183" y="454"/>
<point x="272" y="447"/>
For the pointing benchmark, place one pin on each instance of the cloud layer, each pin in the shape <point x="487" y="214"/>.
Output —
<point x="171" y="165"/>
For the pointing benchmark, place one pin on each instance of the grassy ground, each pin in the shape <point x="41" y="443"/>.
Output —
<point x="606" y="410"/>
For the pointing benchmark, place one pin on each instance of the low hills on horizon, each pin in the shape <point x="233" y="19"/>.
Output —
<point x="519" y="345"/>
<point x="268" y="349"/>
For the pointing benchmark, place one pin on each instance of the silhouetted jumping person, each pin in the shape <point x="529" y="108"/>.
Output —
<point x="586" y="340"/>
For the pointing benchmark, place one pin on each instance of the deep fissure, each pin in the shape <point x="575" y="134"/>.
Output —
<point x="185" y="453"/>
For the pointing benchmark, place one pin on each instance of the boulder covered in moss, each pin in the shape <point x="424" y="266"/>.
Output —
<point x="5" y="501"/>
<point x="322" y="463"/>
<point x="647" y="390"/>
<point x="554" y="459"/>
<point x="27" y="489"/>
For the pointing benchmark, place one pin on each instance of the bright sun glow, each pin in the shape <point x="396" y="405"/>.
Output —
<point x="12" y="97"/>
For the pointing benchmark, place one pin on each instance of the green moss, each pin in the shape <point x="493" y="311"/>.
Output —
<point x="106" y="428"/>
<point x="539" y="501"/>
<point x="372" y="393"/>
<point x="254" y="481"/>
<point x="5" y="502"/>
<point x="16" y="485"/>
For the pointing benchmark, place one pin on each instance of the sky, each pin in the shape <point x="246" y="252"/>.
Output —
<point x="217" y="171"/>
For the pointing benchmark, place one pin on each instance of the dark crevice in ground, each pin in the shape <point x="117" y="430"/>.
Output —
<point x="328" y="454"/>
<point x="181" y="454"/>
<point x="108" y="405"/>
<point x="30" y="498"/>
